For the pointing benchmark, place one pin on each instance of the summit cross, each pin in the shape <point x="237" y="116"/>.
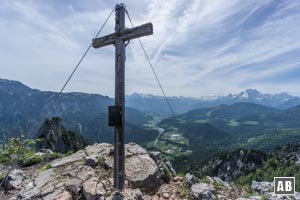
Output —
<point x="117" y="112"/>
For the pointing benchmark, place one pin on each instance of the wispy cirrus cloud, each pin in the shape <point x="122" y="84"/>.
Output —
<point x="199" y="47"/>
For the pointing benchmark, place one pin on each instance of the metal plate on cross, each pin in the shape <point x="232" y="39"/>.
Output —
<point x="115" y="116"/>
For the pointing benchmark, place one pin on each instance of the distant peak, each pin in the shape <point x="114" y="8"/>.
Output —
<point x="135" y="94"/>
<point x="252" y="91"/>
<point x="2" y="80"/>
<point x="13" y="86"/>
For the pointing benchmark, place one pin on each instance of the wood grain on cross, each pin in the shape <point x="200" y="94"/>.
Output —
<point x="119" y="38"/>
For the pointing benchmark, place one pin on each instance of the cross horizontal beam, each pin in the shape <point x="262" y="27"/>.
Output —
<point x="127" y="34"/>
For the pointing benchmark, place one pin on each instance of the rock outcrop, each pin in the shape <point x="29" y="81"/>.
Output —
<point x="15" y="179"/>
<point x="190" y="180"/>
<point x="202" y="191"/>
<point x="54" y="136"/>
<point x="262" y="187"/>
<point x="230" y="166"/>
<point x="266" y="189"/>
<point x="165" y="167"/>
<point x="88" y="173"/>
<point x="288" y="154"/>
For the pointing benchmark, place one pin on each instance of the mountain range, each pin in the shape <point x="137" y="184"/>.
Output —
<point x="157" y="104"/>
<point x="23" y="110"/>
<point x="249" y="119"/>
<point x="209" y="131"/>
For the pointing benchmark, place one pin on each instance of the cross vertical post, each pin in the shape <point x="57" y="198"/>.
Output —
<point x="119" y="161"/>
<point x="117" y="112"/>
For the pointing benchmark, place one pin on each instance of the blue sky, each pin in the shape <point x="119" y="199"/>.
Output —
<point x="199" y="47"/>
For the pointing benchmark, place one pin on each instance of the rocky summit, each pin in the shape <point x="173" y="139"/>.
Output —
<point x="87" y="174"/>
<point x="53" y="135"/>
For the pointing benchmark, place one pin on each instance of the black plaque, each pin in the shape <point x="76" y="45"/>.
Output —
<point x="115" y="116"/>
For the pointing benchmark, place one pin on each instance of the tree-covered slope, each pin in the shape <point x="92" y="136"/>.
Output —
<point x="240" y="125"/>
<point x="22" y="110"/>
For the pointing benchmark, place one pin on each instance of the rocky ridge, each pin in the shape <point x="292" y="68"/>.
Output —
<point x="87" y="175"/>
<point x="232" y="165"/>
<point x="54" y="136"/>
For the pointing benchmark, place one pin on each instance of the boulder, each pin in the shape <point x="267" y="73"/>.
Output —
<point x="272" y="196"/>
<point x="15" y="179"/>
<point x="262" y="187"/>
<point x="39" y="184"/>
<point x="220" y="181"/>
<point x="78" y="156"/>
<point x="166" y="169"/>
<point x="93" y="189"/>
<point x="170" y="168"/>
<point x="141" y="170"/>
<point x="202" y="191"/>
<point x="64" y="196"/>
<point x="91" y="160"/>
<point x="190" y="180"/>
<point x="155" y="156"/>
<point x="135" y="194"/>
<point x="251" y="198"/>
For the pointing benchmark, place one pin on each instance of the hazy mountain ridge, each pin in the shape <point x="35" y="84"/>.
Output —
<point x="22" y="110"/>
<point x="208" y="131"/>
<point x="157" y="104"/>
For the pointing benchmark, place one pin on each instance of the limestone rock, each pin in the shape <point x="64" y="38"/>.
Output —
<point x="165" y="167"/>
<point x="78" y="156"/>
<point x="15" y="179"/>
<point x="166" y="195"/>
<point x="55" y="137"/>
<point x="34" y="188"/>
<point x="170" y="168"/>
<point x="202" y="191"/>
<point x="251" y="198"/>
<point x="102" y="149"/>
<point x="92" y="189"/>
<point x="262" y="187"/>
<point x="155" y="156"/>
<point x="234" y="164"/>
<point x="141" y="171"/>
<point x="108" y="163"/>
<point x="64" y="196"/>
<point x="134" y="149"/>
<point x="91" y="160"/>
<point x="74" y="185"/>
<point x="190" y="180"/>
<point x="135" y="194"/>
<point x="272" y="196"/>
<point x="87" y="173"/>
<point x="56" y="193"/>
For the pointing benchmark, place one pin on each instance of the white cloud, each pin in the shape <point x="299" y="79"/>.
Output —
<point x="199" y="47"/>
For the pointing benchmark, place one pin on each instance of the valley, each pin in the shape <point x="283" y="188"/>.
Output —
<point x="205" y="125"/>
<point x="200" y="132"/>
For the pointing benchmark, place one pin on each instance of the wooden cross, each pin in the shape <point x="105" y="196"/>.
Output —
<point x="119" y="38"/>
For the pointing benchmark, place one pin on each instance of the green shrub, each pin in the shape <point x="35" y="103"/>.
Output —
<point x="45" y="167"/>
<point x="2" y="176"/>
<point x="272" y="168"/>
<point x="31" y="160"/>
<point x="22" y="151"/>
<point x="69" y="152"/>
<point x="101" y="161"/>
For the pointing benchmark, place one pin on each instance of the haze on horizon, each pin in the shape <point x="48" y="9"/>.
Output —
<point x="199" y="48"/>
